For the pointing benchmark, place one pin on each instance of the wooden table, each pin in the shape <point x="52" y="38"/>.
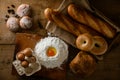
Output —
<point x="107" y="69"/>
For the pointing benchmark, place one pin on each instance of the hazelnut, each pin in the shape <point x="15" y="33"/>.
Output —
<point x="25" y="64"/>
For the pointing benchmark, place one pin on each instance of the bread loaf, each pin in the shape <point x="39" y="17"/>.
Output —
<point x="85" y="17"/>
<point x="83" y="64"/>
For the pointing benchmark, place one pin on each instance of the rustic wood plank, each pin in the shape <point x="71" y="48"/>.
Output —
<point x="6" y="37"/>
<point x="6" y="58"/>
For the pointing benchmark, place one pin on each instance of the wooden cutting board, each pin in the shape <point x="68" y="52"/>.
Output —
<point x="6" y="58"/>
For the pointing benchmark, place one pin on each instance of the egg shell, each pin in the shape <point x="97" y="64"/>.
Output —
<point x="34" y="66"/>
<point x="31" y="59"/>
<point x="28" y="70"/>
<point x="24" y="64"/>
<point x="20" y="56"/>
<point x="28" y="52"/>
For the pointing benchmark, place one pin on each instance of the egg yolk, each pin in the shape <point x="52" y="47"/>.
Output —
<point x="51" y="52"/>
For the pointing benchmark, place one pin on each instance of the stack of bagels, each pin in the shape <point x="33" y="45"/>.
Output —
<point x="90" y="32"/>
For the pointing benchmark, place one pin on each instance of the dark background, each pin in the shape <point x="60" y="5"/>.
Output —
<point x="110" y="8"/>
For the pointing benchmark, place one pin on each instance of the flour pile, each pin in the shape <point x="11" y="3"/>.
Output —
<point x="61" y="52"/>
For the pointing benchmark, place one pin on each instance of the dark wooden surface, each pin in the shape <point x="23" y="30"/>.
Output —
<point x="107" y="69"/>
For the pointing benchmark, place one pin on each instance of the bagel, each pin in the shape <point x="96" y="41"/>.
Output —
<point x="85" y="42"/>
<point x="100" y="46"/>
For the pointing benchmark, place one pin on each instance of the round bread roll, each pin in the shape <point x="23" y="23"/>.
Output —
<point x="83" y="64"/>
<point x="85" y="42"/>
<point x="100" y="46"/>
<point x="26" y="22"/>
<point x="13" y="24"/>
<point x="23" y="10"/>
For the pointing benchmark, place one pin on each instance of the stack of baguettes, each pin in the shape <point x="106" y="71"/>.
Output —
<point x="82" y="21"/>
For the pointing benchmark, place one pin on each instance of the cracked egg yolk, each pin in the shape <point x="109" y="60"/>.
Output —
<point x="51" y="52"/>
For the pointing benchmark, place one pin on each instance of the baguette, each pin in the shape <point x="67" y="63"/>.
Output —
<point x="63" y="22"/>
<point x="67" y="23"/>
<point x="47" y="13"/>
<point x="85" y="17"/>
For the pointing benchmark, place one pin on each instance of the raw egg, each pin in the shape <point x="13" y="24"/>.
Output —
<point x="51" y="52"/>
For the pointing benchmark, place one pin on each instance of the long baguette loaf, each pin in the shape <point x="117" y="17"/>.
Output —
<point x="67" y="24"/>
<point x="85" y="17"/>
